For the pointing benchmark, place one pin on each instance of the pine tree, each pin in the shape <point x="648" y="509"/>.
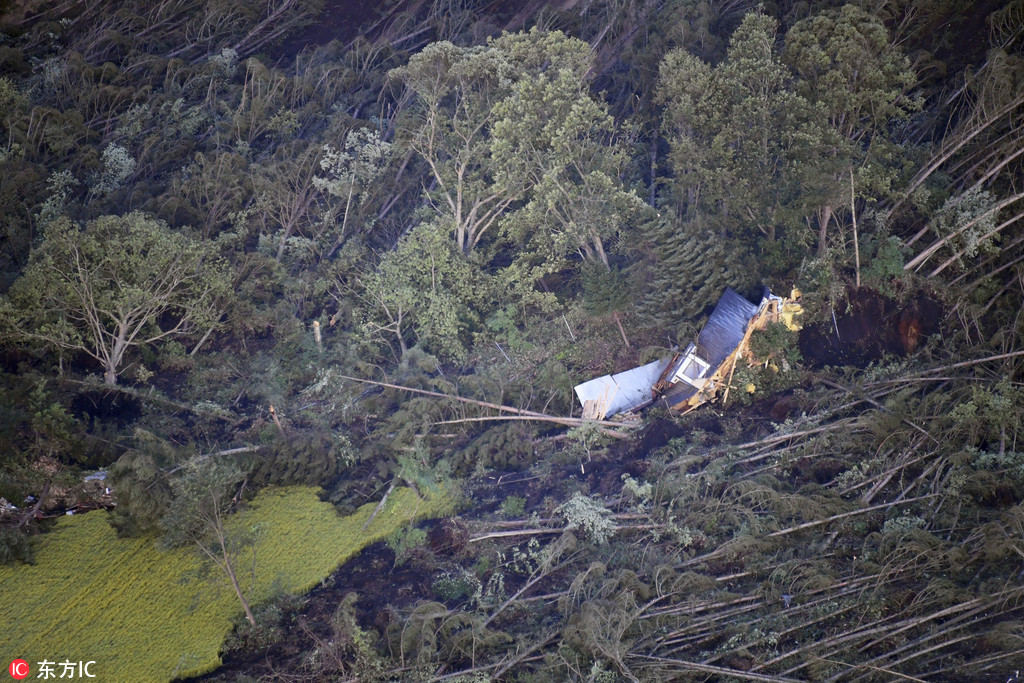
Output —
<point x="688" y="268"/>
<point x="606" y="292"/>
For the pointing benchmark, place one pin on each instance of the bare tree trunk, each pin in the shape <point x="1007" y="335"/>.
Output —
<point x="31" y="514"/>
<point x="824" y="218"/>
<point x="216" y="521"/>
<point x="116" y="355"/>
<point x="618" y="321"/>
<point x="229" y="568"/>
<point x="853" y="214"/>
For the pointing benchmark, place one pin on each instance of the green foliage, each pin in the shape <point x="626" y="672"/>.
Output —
<point x="14" y="546"/>
<point x="513" y="139"/>
<point x="457" y="87"/>
<point x="776" y="344"/>
<point x="58" y="193"/>
<point x="850" y="71"/>
<point x="584" y="513"/>
<point x="975" y="208"/>
<point x="504" y="447"/>
<point x="883" y="258"/>
<point x="121" y="282"/>
<point x="352" y="170"/>
<point x="146" y="614"/>
<point x="686" y="271"/>
<point x="605" y="290"/>
<point x="313" y="459"/>
<point x="455" y="586"/>
<point x="143" y="488"/>
<point x="584" y="440"/>
<point x="987" y="415"/>
<point x="269" y="629"/>
<point x="640" y="493"/>
<point x="512" y="507"/>
<point x="405" y="542"/>
<point x="901" y="525"/>
<point x="767" y="141"/>
<point x="425" y="286"/>
<point x="551" y="133"/>
<point x="202" y="494"/>
<point x="735" y="132"/>
<point x="513" y="200"/>
<point x="503" y="324"/>
<point x="824" y="287"/>
<point x="118" y="167"/>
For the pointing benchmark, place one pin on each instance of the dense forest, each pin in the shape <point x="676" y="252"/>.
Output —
<point x="316" y="243"/>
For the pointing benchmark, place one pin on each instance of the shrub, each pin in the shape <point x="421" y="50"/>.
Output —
<point x="14" y="547"/>
<point x="512" y="507"/>
<point x="588" y="516"/>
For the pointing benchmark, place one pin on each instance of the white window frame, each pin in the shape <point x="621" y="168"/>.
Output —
<point x="691" y="358"/>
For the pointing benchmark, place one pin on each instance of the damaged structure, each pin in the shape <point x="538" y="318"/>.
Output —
<point x="695" y="375"/>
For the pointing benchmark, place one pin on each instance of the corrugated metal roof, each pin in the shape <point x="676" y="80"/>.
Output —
<point x="677" y="393"/>
<point x="624" y="391"/>
<point x="725" y="328"/>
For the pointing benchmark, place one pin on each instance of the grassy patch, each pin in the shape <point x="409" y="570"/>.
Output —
<point x="148" y="615"/>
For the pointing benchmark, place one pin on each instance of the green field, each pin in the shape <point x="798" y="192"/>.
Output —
<point x="143" y="614"/>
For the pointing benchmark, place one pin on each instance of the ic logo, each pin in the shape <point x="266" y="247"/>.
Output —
<point x="18" y="669"/>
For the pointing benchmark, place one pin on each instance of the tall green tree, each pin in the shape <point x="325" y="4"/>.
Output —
<point x="553" y="133"/>
<point x="734" y="132"/>
<point x="460" y="128"/>
<point x="115" y="284"/>
<point x="456" y="89"/>
<point x="858" y="85"/>
<point x="765" y="142"/>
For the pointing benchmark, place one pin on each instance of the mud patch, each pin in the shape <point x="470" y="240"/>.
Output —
<point x="868" y="327"/>
<point x="378" y="584"/>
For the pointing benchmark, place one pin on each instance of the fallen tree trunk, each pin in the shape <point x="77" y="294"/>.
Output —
<point x="523" y="414"/>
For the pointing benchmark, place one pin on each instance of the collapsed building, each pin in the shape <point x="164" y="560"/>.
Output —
<point x="695" y="375"/>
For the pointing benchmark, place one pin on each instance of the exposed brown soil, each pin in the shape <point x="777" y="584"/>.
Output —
<point x="869" y="327"/>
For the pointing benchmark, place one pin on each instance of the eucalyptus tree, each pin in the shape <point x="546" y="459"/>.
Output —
<point x="117" y="283"/>
<point x="459" y="126"/>
<point x="551" y="132"/>
<point x="350" y="172"/>
<point x="456" y="89"/>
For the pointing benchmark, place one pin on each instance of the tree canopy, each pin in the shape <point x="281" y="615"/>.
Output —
<point x="116" y="283"/>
